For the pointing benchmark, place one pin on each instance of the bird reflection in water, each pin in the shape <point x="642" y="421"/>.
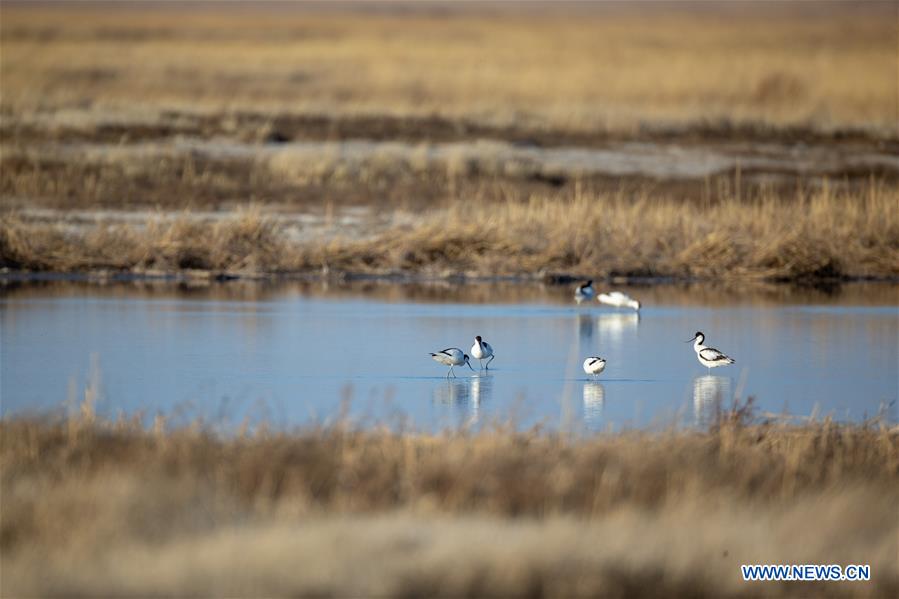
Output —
<point x="709" y="394"/>
<point x="585" y="324"/>
<point x="594" y="402"/>
<point x="612" y="326"/>
<point x="466" y="394"/>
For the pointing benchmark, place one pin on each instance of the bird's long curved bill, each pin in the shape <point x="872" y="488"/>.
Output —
<point x="690" y="340"/>
<point x="469" y="365"/>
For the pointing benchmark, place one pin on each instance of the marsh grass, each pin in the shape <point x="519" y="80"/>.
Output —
<point x="92" y="507"/>
<point x="245" y="243"/>
<point x="565" y="69"/>
<point x="821" y="234"/>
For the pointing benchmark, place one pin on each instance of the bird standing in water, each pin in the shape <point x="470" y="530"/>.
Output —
<point x="619" y="300"/>
<point x="451" y="356"/>
<point x="708" y="356"/>
<point x="584" y="291"/>
<point x="594" y="365"/>
<point x="480" y="350"/>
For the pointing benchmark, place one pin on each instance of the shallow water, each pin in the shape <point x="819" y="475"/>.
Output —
<point x="300" y="353"/>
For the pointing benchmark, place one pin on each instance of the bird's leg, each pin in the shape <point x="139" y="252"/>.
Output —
<point x="488" y="362"/>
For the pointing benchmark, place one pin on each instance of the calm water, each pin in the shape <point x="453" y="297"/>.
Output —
<point x="296" y="354"/>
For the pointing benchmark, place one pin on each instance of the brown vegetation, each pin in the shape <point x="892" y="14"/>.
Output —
<point x="98" y="508"/>
<point x="218" y="174"/>
<point x="563" y="69"/>
<point x="822" y="235"/>
<point x="156" y="107"/>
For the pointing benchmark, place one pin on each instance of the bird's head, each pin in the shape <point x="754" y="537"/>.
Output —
<point x="697" y="337"/>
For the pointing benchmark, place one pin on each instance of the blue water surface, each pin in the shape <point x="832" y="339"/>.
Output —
<point x="291" y="358"/>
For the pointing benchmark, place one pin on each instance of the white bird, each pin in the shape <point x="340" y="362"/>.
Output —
<point x="584" y="291"/>
<point x="480" y="350"/>
<point x="594" y="365"/>
<point x="708" y="356"/>
<point x="451" y="356"/>
<point x="618" y="299"/>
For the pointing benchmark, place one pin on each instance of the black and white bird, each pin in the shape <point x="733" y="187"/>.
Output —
<point x="451" y="356"/>
<point x="584" y="291"/>
<point x="481" y="350"/>
<point x="594" y="365"/>
<point x="619" y="300"/>
<point x="708" y="356"/>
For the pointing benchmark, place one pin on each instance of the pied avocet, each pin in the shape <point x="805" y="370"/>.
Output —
<point x="584" y="291"/>
<point x="708" y="356"/>
<point x="618" y="299"/>
<point x="481" y="350"/>
<point x="594" y="365"/>
<point x="451" y="356"/>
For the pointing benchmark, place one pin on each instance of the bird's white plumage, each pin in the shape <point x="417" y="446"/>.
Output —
<point x="451" y="356"/>
<point x="594" y="365"/>
<point x="482" y="350"/>
<point x="709" y="356"/>
<point x="618" y="299"/>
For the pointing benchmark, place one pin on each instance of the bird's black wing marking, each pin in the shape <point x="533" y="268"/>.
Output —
<point x="712" y="355"/>
<point x="593" y="361"/>
<point x="447" y="351"/>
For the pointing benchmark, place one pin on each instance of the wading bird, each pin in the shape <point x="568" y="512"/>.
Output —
<point x="480" y="350"/>
<point x="451" y="356"/>
<point x="708" y="356"/>
<point x="584" y="291"/>
<point x="619" y="300"/>
<point x="594" y="365"/>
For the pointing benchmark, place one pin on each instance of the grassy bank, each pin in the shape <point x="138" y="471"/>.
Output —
<point x="96" y="508"/>
<point x="824" y="234"/>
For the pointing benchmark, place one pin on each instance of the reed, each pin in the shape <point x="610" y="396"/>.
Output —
<point x="822" y="234"/>
<point x="93" y="507"/>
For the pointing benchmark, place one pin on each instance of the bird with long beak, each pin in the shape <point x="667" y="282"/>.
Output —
<point x="451" y="356"/>
<point x="708" y="356"/>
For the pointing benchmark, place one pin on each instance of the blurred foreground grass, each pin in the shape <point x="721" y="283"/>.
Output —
<point x="93" y="508"/>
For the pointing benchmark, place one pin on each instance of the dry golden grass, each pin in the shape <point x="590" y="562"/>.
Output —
<point x="824" y="234"/>
<point x="97" y="508"/>
<point x="605" y="69"/>
<point x="246" y="243"/>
